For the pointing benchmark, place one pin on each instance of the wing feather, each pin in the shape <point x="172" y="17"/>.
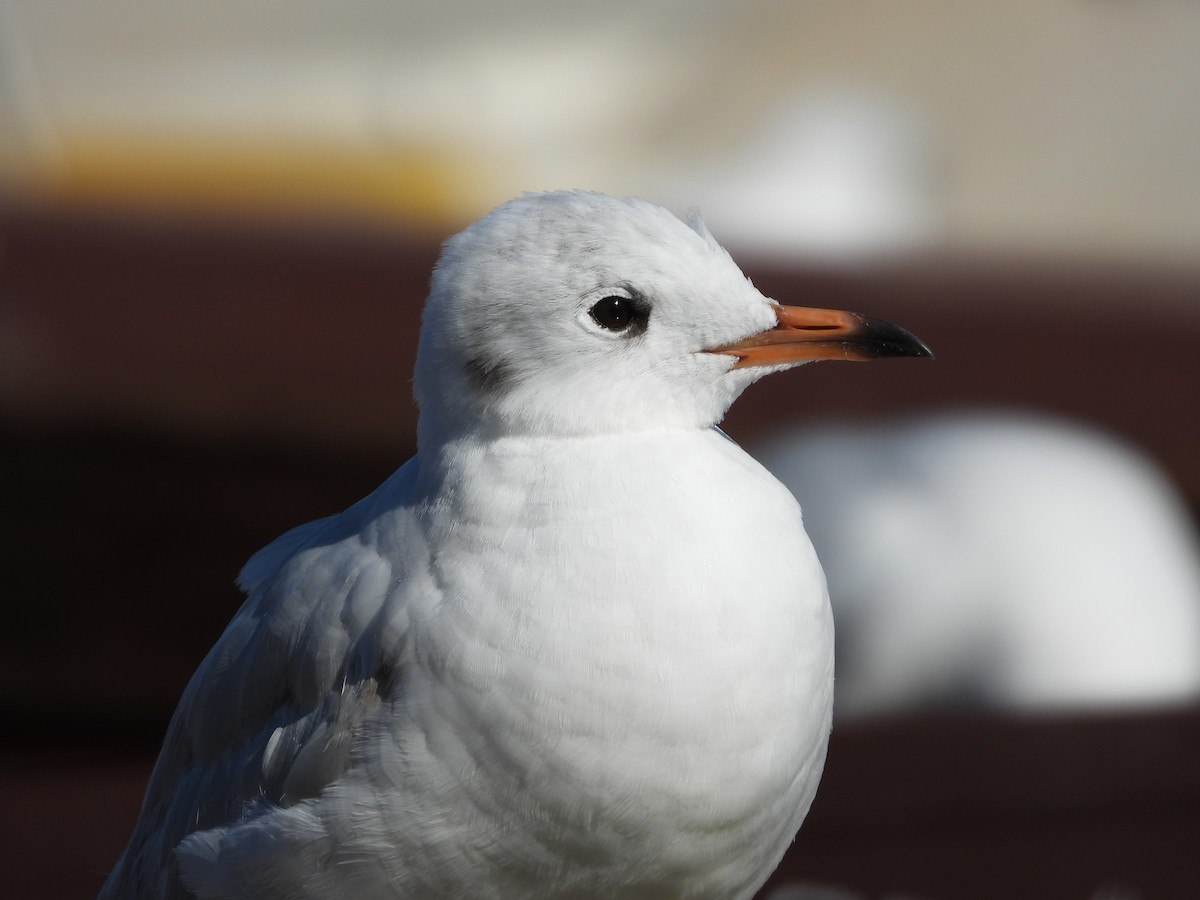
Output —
<point x="270" y="716"/>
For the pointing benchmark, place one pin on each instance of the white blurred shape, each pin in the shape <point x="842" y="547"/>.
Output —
<point x="839" y="175"/>
<point x="797" y="890"/>
<point x="26" y="130"/>
<point x="999" y="561"/>
<point x="805" y="891"/>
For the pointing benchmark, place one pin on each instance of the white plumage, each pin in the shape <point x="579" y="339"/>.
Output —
<point x="579" y="646"/>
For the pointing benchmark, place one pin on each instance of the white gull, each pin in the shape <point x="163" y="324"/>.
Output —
<point x="579" y="646"/>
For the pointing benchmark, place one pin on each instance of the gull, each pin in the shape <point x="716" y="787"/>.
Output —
<point x="578" y="646"/>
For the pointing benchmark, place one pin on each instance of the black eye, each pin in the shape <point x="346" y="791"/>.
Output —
<point x="617" y="313"/>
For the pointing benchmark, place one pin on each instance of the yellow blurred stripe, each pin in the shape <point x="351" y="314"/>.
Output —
<point x="432" y="187"/>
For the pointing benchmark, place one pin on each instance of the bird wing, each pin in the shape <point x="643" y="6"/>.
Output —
<point x="271" y="714"/>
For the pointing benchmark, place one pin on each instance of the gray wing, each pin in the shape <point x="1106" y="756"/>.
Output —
<point x="271" y="714"/>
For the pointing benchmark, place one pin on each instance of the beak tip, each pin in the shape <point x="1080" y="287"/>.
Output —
<point x="921" y="350"/>
<point x="890" y="340"/>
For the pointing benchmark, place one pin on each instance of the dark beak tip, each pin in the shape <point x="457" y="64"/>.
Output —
<point x="921" y="350"/>
<point x="896" y="341"/>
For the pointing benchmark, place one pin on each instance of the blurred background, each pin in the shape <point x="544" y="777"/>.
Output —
<point x="217" y="223"/>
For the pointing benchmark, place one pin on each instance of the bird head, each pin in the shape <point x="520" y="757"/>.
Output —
<point x="575" y="313"/>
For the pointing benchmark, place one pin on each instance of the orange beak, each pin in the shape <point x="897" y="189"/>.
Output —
<point x="806" y="333"/>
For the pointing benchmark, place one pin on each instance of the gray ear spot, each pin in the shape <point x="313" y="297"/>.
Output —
<point x="487" y="375"/>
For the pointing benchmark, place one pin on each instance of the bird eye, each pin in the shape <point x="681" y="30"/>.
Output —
<point x="618" y="314"/>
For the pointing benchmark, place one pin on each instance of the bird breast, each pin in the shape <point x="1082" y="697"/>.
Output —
<point x="673" y="678"/>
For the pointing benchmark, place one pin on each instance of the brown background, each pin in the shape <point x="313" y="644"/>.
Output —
<point x="175" y="394"/>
